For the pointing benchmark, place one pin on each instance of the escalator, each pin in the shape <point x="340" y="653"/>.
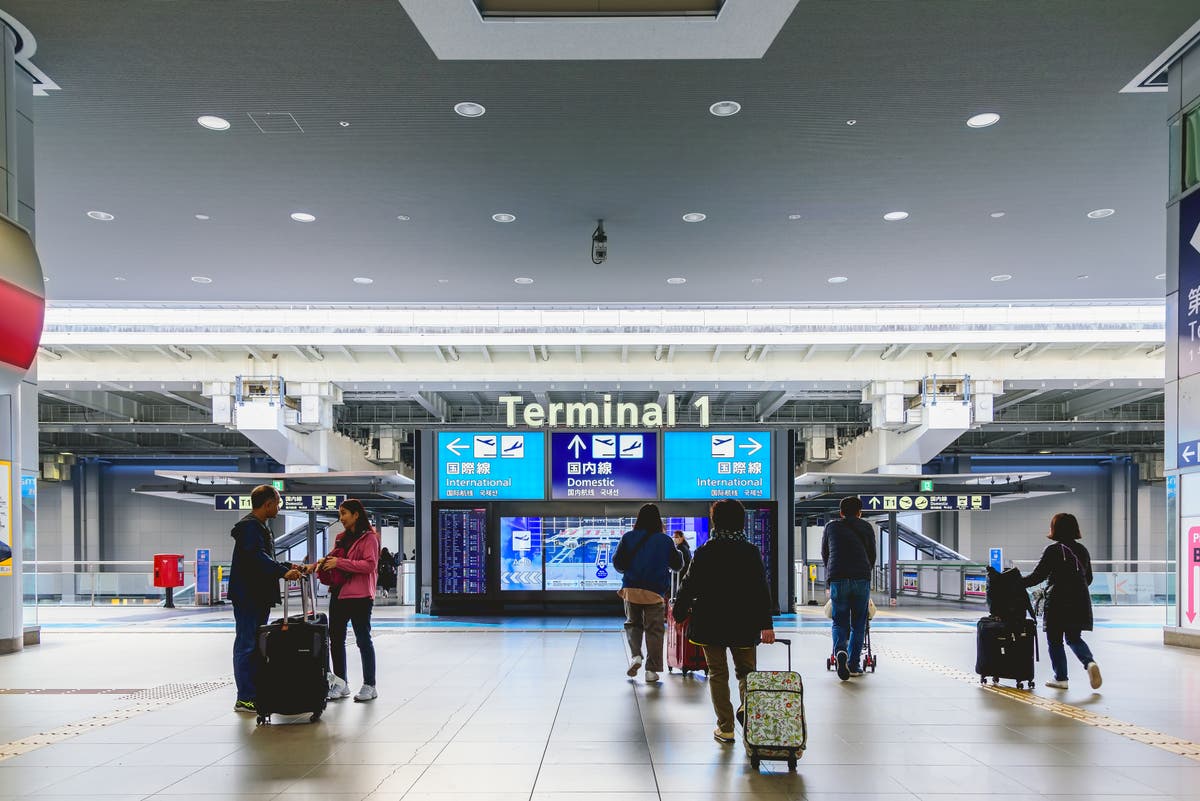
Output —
<point x="923" y="547"/>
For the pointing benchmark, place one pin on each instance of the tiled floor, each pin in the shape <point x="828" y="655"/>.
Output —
<point x="544" y="715"/>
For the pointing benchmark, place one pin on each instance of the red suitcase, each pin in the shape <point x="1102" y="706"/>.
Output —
<point x="681" y="654"/>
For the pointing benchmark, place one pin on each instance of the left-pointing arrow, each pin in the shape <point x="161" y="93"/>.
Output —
<point x="456" y="447"/>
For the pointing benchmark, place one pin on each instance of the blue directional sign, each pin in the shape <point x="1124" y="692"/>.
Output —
<point x="603" y="465"/>
<point x="926" y="503"/>
<point x="291" y="502"/>
<point x="1188" y="302"/>
<point x="1189" y="453"/>
<point x="705" y="465"/>
<point x="491" y="465"/>
<point x="996" y="559"/>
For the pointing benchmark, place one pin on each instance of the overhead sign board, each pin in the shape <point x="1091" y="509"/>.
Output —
<point x="491" y="465"/>
<point x="706" y="465"/>
<point x="1189" y="453"/>
<point x="1188" y="298"/>
<point x="926" y="503"/>
<point x="292" y="502"/>
<point x="603" y="465"/>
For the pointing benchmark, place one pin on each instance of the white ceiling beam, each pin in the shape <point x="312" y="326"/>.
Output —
<point x="808" y="352"/>
<point x="854" y="353"/>
<point x="487" y="354"/>
<point x="348" y="353"/>
<point x="762" y="354"/>
<point x="578" y="355"/>
<point x="716" y="354"/>
<point x="947" y="353"/>
<point x="395" y="353"/>
<point x="49" y="354"/>
<point x="185" y="401"/>
<point x="437" y="350"/>
<point x="532" y="354"/>
<point x="76" y="352"/>
<point x="258" y="354"/>
<point x="995" y="350"/>
<point x="1085" y="350"/>
<point x="431" y="402"/>
<point x="671" y="353"/>
<point x="624" y="354"/>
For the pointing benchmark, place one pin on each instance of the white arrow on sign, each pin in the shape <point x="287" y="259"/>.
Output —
<point x="1188" y="453"/>
<point x="230" y="502"/>
<point x="874" y="502"/>
<point x="575" y="445"/>
<point x="755" y="446"/>
<point x="1195" y="240"/>
<point x="456" y="447"/>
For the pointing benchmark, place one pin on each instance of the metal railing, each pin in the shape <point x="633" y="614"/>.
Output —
<point x="1155" y="586"/>
<point x="86" y="583"/>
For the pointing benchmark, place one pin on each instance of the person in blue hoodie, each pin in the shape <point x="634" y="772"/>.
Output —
<point x="646" y="556"/>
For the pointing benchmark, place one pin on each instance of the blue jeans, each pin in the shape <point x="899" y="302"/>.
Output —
<point x="246" y="620"/>
<point x="850" y="597"/>
<point x="1058" y="654"/>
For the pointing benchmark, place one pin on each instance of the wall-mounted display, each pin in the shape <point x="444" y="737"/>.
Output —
<point x="462" y="551"/>
<point x="491" y="465"/>
<point x="603" y="465"/>
<point x="706" y="465"/>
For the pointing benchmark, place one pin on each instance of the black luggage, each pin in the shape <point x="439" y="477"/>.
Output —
<point x="1005" y="653"/>
<point x="293" y="657"/>
<point x="1007" y="597"/>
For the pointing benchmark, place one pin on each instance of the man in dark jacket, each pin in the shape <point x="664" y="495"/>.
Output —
<point x="646" y="556"/>
<point x="848" y="548"/>
<point x="253" y="587"/>
<point x="726" y="600"/>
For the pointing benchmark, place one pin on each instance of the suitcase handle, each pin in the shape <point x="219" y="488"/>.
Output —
<point x="786" y="641"/>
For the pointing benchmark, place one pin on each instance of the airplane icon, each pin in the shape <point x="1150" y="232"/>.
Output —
<point x="722" y="446"/>
<point x="604" y="447"/>
<point x="631" y="446"/>
<point x="485" y="447"/>
<point x="512" y="447"/>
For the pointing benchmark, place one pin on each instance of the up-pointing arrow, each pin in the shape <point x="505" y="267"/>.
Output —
<point x="230" y="502"/>
<point x="575" y="444"/>
<point x="755" y="446"/>
<point x="456" y="447"/>
<point x="874" y="501"/>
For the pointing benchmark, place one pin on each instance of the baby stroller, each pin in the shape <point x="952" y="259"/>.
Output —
<point x="869" y="660"/>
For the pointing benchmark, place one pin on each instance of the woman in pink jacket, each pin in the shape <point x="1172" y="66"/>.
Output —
<point x="351" y="570"/>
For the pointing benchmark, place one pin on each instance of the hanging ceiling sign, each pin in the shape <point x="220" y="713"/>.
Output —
<point x="605" y="414"/>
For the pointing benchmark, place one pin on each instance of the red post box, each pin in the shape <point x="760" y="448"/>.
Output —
<point x="168" y="570"/>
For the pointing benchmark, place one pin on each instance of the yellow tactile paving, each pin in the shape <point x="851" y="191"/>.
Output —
<point x="1130" y="731"/>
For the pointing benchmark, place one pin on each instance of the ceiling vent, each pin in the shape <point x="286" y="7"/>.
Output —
<point x="500" y="9"/>
<point x="275" y="122"/>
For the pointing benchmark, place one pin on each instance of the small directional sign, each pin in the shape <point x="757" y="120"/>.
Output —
<point x="291" y="503"/>
<point x="926" y="503"/>
<point x="1189" y="453"/>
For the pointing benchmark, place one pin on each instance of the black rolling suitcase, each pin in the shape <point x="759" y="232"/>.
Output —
<point x="1002" y="652"/>
<point x="293" y="655"/>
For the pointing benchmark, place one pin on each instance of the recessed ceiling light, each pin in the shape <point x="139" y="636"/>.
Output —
<point x="837" y="279"/>
<point x="896" y="216"/>
<point x="1160" y="277"/>
<point x="403" y="217"/>
<point x="443" y="280"/>
<point x="201" y="279"/>
<point x="795" y="216"/>
<point x="522" y="280"/>
<point x="344" y="124"/>
<point x="995" y="215"/>
<point x="504" y="217"/>
<point x="983" y="120"/>
<point x="469" y="109"/>
<point x="852" y="122"/>
<point x="103" y="216"/>
<point x="118" y="278"/>
<point x="202" y="216"/>
<point x="677" y="280"/>
<point x="725" y="108"/>
<point x="213" y="123"/>
<point x="1001" y="277"/>
<point x="756" y="280"/>
<point x="1043" y="453"/>
<point x="1100" y="214"/>
<point x="1082" y="277"/>
<point x="303" y="216"/>
<point x="695" y="216"/>
<point x="363" y="280"/>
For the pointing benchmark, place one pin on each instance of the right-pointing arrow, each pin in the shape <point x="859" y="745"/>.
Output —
<point x="754" y="447"/>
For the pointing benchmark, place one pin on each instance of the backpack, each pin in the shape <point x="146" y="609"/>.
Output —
<point x="1007" y="598"/>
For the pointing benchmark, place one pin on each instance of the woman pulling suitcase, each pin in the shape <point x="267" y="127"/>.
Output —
<point x="351" y="570"/>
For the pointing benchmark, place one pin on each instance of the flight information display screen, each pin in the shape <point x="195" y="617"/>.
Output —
<point x="462" y="551"/>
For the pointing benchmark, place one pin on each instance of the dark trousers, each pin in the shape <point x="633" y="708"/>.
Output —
<point x="1058" y="654"/>
<point x="357" y="612"/>
<point x="246" y="620"/>
<point x="648" y="621"/>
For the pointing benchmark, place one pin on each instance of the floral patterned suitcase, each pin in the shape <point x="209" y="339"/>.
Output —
<point x="774" y="725"/>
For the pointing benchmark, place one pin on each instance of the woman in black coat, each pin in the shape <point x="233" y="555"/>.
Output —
<point x="1066" y="567"/>
<point x="727" y="602"/>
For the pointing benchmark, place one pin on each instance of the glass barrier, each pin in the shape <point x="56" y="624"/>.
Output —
<point x="1143" y="582"/>
<point x="90" y="583"/>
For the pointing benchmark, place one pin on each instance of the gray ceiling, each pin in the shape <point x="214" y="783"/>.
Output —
<point x="566" y="142"/>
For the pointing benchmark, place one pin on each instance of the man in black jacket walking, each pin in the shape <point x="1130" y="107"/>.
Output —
<point x="848" y="548"/>
<point x="253" y="587"/>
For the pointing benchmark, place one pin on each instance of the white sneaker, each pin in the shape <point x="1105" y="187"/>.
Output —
<point x="367" y="693"/>
<point x="634" y="666"/>
<point x="1057" y="685"/>
<point x="1093" y="671"/>
<point x="651" y="677"/>
<point x="338" y="689"/>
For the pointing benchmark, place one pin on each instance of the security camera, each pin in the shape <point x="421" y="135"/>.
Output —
<point x="599" y="244"/>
